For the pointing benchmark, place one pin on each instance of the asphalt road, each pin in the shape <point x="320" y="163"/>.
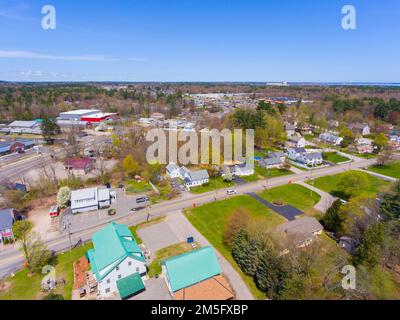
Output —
<point x="22" y="166"/>
<point x="11" y="259"/>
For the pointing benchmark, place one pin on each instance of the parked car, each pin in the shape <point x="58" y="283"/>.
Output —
<point x="54" y="211"/>
<point x="231" y="192"/>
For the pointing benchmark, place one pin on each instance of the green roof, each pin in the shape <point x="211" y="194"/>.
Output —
<point x="130" y="285"/>
<point x="113" y="244"/>
<point x="190" y="268"/>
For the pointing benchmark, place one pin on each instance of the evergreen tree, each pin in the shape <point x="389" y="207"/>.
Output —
<point x="390" y="206"/>
<point x="334" y="219"/>
<point x="272" y="274"/>
<point x="250" y="258"/>
<point x="239" y="247"/>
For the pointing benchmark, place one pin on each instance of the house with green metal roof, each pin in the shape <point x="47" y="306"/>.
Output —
<point x="190" y="268"/>
<point x="117" y="261"/>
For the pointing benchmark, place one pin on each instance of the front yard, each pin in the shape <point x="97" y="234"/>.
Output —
<point x="330" y="184"/>
<point x="334" y="157"/>
<point x="294" y="195"/>
<point x="133" y="187"/>
<point x="171" y="251"/>
<point x="211" y="221"/>
<point x="390" y="170"/>
<point x="29" y="288"/>
<point x="262" y="173"/>
<point x="214" y="184"/>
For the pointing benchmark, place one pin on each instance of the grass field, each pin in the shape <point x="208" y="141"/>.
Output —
<point x="261" y="173"/>
<point x="171" y="251"/>
<point x="295" y="195"/>
<point x="132" y="187"/>
<point x="334" y="157"/>
<point x="29" y="288"/>
<point x="214" y="184"/>
<point x="211" y="220"/>
<point x="329" y="184"/>
<point x="390" y="170"/>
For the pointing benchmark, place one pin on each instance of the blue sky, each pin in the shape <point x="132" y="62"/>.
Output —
<point x="200" y="40"/>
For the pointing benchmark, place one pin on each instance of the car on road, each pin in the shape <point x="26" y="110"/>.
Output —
<point x="231" y="192"/>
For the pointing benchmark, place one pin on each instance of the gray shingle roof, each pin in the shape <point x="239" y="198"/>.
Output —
<point x="6" y="219"/>
<point x="199" y="175"/>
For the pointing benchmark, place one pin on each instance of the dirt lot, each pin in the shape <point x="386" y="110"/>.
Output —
<point x="39" y="215"/>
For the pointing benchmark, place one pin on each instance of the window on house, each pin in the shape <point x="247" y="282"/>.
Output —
<point x="129" y="263"/>
<point x="108" y="281"/>
<point x="117" y="268"/>
<point x="108" y="290"/>
<point x="137" y="269"/>
<point x="119" y="276"/>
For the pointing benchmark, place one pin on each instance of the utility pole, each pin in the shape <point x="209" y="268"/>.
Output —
<point x="69" y="233"/>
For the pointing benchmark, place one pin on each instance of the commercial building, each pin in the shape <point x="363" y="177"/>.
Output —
<point x="86" y="115"/>
<point x="91" y="199"/>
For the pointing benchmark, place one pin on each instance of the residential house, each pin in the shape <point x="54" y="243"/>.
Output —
<point x="302" y="231"/>
<point x="195" y="178"/>
<point x="360" y="128"/>
<point x="243" y="170"/>
<point x="117" y="262"/>
<point x="273" y="160"/>
<point x="349" y="244"/>
<point x="295" y="142"/>
<point x="196" y="275"/>
<point x="78" y="166"/>
<point x="310" y="159"/>
<point x="190" y="178"/>
<point x="294" y="153"/>
<point x="333" y="123"/>
<point x="173" y="171"/>
<point x="290" y="129"/>
<point x="7" y="220"/>
<point x="330" y="138"/>
<point x="91" y="199"/>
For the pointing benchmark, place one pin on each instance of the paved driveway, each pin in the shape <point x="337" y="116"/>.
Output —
<point x="156" y="289"/>
<point x="288" y="212"/>
<point x="158" y="236"/>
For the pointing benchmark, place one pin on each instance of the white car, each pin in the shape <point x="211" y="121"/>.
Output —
<point x="231" y="192"/>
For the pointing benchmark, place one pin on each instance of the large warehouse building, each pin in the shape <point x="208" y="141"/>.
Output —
<point x="88" y="115"/>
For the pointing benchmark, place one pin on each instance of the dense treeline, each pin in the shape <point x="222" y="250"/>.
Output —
<point x="31" y="101"/>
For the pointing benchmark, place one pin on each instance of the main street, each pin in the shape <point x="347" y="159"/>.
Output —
<point x="11" y="259"/>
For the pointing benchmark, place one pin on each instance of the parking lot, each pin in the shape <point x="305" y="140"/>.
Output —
<point x="158" y="236"/>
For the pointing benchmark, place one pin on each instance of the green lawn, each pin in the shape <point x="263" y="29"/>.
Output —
<point x="132" y="187"/>
<point x="29" y="288"/>
<point x="211" y="220"/>
<point x="329" y="184"/>
<point x="262" y="172"/>
<point x="390" y="170"/>
<point x="171" y="251"/>
<point x="334" y="157"/>
<point x="293" y="194"/>
<point x="217" y="183"/>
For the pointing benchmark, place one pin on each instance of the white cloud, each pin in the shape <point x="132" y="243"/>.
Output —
<point x="33" y="55"/>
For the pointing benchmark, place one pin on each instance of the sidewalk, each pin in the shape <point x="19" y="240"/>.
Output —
<point x="326" y="199"/>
